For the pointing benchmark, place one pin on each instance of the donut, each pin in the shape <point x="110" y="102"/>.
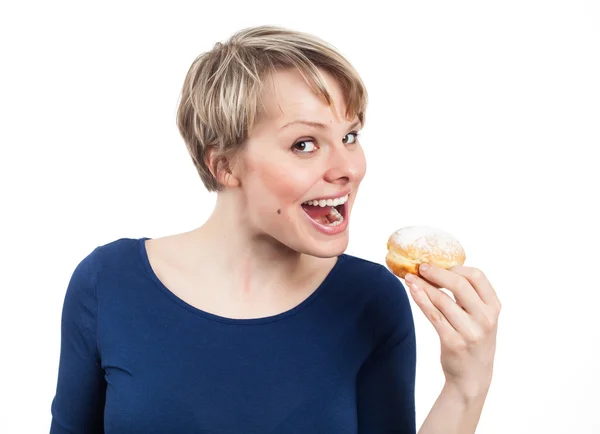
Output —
<point x="414" y="245"/>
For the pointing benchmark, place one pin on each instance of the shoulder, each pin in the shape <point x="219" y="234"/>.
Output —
<point x="105" y="259"/>
<point x="118" y="250"/>
<point x="117" y="255"/>
<point x="380" y="294"/>
<point x="374" y="279"/>
<point x="386" y="309"/>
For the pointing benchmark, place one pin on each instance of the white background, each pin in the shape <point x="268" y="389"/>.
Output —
<point x="484" y="120"/>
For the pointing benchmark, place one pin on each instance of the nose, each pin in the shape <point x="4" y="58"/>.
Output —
<point x="344" y="165"/>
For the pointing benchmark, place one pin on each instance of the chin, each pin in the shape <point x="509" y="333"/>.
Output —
<point x="327" y="248"/>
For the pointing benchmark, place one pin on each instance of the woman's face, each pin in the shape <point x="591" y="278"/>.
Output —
<point x="285" y="164"/>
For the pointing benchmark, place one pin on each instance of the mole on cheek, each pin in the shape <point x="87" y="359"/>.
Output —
<point x="279" y="211"/>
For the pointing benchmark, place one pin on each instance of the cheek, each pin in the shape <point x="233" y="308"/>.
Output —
<point x="360" y="164"/>
<point x="278" y="184"/>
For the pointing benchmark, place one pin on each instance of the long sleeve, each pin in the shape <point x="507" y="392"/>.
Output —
<point x="386" y="381"/>
<point x="79" y="401"/>
<point x="136" y="358"/>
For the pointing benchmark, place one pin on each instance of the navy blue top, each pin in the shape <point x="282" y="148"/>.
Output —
<point x="135" y="358"/>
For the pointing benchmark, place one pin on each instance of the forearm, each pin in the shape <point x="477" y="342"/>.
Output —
<point x="454" y="412"/>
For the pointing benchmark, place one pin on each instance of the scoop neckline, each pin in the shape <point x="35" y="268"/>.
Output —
<point x="239" y="321"/>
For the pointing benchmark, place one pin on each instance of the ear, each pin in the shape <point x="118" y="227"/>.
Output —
<point x="222" y="171"/>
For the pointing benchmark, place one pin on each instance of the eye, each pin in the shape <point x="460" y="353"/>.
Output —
<point x="308" y="146"/>
<point x="355" y="134"/>
<point x="305" y="147"/>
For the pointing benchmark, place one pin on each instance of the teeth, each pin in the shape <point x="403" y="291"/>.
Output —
<point x="336" y="213"/>
<point x="327" y="202"/>
<point x="338" y="217"/>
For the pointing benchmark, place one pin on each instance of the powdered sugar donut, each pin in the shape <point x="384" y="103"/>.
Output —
<point x="414" y="245"/>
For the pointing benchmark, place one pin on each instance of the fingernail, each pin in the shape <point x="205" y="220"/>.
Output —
<point x="424" y="267"/>
<point x="414" y="288"/>
<point x="409" y="277"/>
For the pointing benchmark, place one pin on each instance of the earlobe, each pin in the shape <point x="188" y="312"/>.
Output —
<point x="228" y="179"/>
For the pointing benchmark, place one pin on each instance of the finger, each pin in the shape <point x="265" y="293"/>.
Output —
<point x="455" y="283"/>
<point x="441" y="324"/>
<point x="479" y="282"/>
<point x="458" y="318"/>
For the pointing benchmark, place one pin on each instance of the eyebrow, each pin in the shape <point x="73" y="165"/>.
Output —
<point x="316" y="124"/>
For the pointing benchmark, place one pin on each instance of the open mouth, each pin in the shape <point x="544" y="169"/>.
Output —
<point x="327" y="212"/>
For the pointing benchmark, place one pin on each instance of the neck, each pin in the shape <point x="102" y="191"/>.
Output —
<point x="248" y="261"/>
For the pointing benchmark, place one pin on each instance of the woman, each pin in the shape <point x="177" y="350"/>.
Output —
<point x="256" y="321"/>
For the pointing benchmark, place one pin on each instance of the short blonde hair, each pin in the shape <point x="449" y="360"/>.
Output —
<point x="221" y="97"/>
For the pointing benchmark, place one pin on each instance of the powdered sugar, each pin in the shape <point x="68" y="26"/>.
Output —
<point x="428" y="240"/>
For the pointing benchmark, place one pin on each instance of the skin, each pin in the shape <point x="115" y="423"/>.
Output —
<point x="226" y="266"/>
<point x="258" y="220"/>
<point x="467" y="329"/>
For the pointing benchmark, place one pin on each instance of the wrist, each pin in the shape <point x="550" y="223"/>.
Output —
<point x="467" y="393"/>
<point x="457" y="409"/>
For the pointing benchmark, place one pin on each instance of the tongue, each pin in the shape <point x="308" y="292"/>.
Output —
<point x="316" y="211"/>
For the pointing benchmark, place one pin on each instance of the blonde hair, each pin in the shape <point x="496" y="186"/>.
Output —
<point x="221" y="97"/>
